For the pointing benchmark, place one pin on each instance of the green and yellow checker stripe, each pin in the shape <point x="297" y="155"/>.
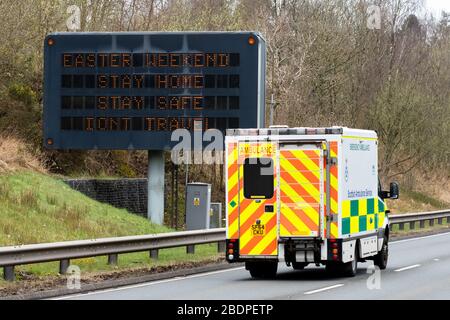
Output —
<point x="362" y="215"/>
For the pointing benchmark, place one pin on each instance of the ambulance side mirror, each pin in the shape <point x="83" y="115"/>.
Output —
<point x="394" y="190"/>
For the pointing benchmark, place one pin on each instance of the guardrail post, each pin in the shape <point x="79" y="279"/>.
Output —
<point x="190" y="249"/>
<point x="8" y="273"/>
<point x="154" y="254"/>
<point x="112" y="259"/>
<point x="448" y="219"/>
<point x="422" y="224"/>
<point x="221" y="246"/>
<point x="439" y="220"/>
<point x="63" y="266"/>
<point x="401" y="226"/>
<point x="431" y="222"/>
<point x="412" y="225"/>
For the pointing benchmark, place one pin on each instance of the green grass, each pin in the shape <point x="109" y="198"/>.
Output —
<point x="37" y="208"/>
<point x="140" y="260"/>
<point x="426" y="199"/>
<point x="416" y="201"/>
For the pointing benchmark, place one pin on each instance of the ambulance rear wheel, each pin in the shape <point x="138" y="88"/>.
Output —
<point x="332" y="268"/>
<point x="381" y="259"/>
<point x="350" y="268"/>
<point x="262" y="270"/>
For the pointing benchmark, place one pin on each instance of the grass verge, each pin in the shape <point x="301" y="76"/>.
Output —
<point x="415" y="201"/>
<point x="37" y="208"/>
<point x="96" y="269"/>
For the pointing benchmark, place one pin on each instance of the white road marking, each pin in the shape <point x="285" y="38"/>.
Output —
<point x="407" y="268"/>
<point x="436" y="259"/>
<point x="419" y="238"/>
<point x="324" y="289"/>
<point x="145" y="284"/>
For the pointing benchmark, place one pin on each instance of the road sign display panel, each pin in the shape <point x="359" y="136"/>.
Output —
<point x="132" y="90"/>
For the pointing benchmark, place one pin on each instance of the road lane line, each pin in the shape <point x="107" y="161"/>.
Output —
<point x="436" y="259"/>
<point x="324" y="289"/>
<point x="407" y="268"/>
<point x="144" y="284"/>
<point x="419" y="238"/>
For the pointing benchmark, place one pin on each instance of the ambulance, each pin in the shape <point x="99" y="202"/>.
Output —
<point x="305" y="196"/>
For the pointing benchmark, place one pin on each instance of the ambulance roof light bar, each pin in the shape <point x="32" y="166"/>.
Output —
<point x="284" y="130"/>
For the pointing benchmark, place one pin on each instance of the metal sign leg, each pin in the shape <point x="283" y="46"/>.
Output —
<point x="155" y="208"/>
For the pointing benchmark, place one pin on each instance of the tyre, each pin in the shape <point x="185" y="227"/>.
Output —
<point x="262" y="270"/>
<point x="381" y="259"/>
<point x="348" y="269"/>
<point x="332" y="268"/>
<point x="299" y="265"/>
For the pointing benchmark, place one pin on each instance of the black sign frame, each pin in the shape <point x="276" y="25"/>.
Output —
<point x="130" y="90"/>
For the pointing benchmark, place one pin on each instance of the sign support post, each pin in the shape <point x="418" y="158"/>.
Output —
<point x="155" y="186"/>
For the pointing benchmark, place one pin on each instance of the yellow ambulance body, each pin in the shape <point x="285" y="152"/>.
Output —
<point x="304" y="195"/>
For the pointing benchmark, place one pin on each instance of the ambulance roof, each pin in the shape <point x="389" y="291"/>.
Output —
<point x="285" y="130"/>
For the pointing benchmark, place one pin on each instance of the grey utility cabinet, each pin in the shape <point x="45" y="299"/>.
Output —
<point x="198" y="206"/>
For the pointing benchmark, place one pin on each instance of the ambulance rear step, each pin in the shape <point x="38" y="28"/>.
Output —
<point x="302" y="250"/>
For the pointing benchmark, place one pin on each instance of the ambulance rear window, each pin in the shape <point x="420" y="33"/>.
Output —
<point x="258" y="178"/>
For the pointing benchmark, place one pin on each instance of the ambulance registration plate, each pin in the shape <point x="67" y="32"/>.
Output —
<point x="258" y="229"/>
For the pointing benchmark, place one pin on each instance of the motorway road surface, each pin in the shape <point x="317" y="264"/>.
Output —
<point x="418" y="268"/>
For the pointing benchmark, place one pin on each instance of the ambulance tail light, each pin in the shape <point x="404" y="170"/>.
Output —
<point x="232" y="250"/>
<point x="334" y="249"/>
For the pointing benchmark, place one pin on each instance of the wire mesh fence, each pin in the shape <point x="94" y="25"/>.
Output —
<point x="130" y="194"/>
